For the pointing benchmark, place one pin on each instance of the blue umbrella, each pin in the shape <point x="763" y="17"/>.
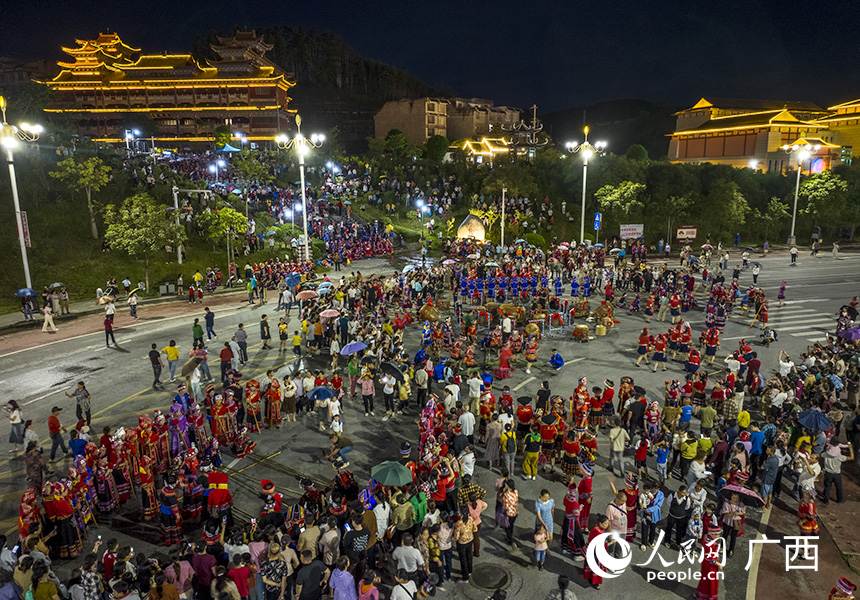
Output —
<point x="325" y="284"/>
<point x="292" y="280"/>
<point x="352" y="348"/>
<point x="321" y="392"/>
<point x="598" y="245"/>
<point x="408" y="268"/>
<point x="814" y="420"/>
<point x="519" y="241"/>
<point x="25" y="292"/>
<point x="323" y="290"/>
<point x="270" y="233"/>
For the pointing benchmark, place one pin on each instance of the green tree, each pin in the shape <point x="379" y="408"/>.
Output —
<point x="824" y="195"/>
<point x="89" y="175"/>
<point x="436" y="148"/>
<point x="222" y="135"/>
<point x="220" y="225"/>
<point x="518" y="178"/>
<point x="774" y="215"/>
<point x="637" y="152"/>
<point x="249" y="166"/>
<point x="142" y="228"/>
<point x="725" y="205"/>
<point x="623" y="201"/>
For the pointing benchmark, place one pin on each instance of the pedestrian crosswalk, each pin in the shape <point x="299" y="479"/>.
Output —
<point x="791" y="319"/>
<point x="797" y="321"/>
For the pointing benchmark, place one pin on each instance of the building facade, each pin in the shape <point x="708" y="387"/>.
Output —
<point x="752" y="134"/>
<point x="110" y="86"/>
<point x="420" y="119"/>
<point x="17" y="74"/>
<point x="474" y="118"/>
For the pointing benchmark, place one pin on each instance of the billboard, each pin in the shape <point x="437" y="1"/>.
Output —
<point x="686" y="233"/>
<point x="633" y="231"/>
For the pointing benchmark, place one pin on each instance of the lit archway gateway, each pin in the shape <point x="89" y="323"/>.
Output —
<point x="471" y="228"/>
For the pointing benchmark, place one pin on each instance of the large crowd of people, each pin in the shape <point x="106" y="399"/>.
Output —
<point x="708" y="449"/>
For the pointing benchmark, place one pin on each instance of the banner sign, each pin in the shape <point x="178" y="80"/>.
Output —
<point x="634" y="231"/>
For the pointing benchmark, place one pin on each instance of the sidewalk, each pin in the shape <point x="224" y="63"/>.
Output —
<point x="14" y="339"/>
<point x="15" y="321"/>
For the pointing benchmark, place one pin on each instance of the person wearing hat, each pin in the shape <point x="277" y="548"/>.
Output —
<point x="531" y="453"/>
<point x="843" y="590"/>
<point x="56" y="431"/>
<point x="170" y="517"/>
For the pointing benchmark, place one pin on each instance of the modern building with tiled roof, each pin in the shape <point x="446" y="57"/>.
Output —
<point x="752" y="133"/>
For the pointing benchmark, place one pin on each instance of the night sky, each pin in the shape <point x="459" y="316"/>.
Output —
<point x="558" y="54"/>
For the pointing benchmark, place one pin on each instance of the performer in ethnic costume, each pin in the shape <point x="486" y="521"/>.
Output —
<point x="59" y="510"/>
<point x="29" y="513"/>
<point x="220" y="501"/>
<point x="570" y="460"/>
<point x="253" y="414"/>
<point x="171" y="518"/>
<point x="149" y="506"/>
<point x="273" y="401"/>
<point x="585" y="495"/>
<point x="599" y="529"/>
<point x="191" y="500"/>
<point x="242" y="444"/>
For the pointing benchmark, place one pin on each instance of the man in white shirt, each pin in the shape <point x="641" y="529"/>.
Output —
<point x="808" y="474"/>
<point x="474" y="382"/>
<point x="467" y="461"/>
<point x="467" y="423"/>
<point x="403" y="589"/>
<point x="507" y="328"/>
<point x="454" y="388"/>
<point x="505" y="418"/>
<point x="785" y="364"/>
<point x="407" y="556"/>
<point x="421" y="384"/>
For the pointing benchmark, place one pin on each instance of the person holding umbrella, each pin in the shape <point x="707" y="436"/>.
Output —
<point x="732" y="516"/>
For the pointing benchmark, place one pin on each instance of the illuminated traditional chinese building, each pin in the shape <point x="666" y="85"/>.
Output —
<point x="108" y="84"/>
<point x="844" y="122"/>
<point x="751" y="133"/>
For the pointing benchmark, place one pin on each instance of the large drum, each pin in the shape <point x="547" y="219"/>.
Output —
<point x="580" y="333"/>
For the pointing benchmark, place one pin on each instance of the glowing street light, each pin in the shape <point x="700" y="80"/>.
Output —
<point x="10" y="137"/>
<point x="802" y="152"/>
<point x="587" y="150"/>
<point x="216" y="167"/>
<point x="302" y="146"/>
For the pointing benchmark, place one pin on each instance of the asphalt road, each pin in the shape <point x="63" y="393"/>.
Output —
<point x="120" y="379"/>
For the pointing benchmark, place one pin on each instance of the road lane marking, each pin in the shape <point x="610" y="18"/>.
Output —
<point x="529" y="380"/>
<point x="756" y="557"/>
<point x="41" y="397"/>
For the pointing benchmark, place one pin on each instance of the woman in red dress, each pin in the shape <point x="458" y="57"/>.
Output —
<point x="807" y="515"/>
<point x="599" y="529"/>
<point x="709" y="583"/>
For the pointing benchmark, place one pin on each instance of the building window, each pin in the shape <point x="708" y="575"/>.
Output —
<point x="431" y="119"/>
<point x="431" y="107"/>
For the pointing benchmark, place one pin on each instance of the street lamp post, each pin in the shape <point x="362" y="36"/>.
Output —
<point x="587" y="150"/>
<point x="302" y="146"/>
<point x="802" y="152"/>
<point x="10" y="137"/>
<point x="504" y="191"/>
<point x="130" y="136"/>
<point x="216" y="168"/>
